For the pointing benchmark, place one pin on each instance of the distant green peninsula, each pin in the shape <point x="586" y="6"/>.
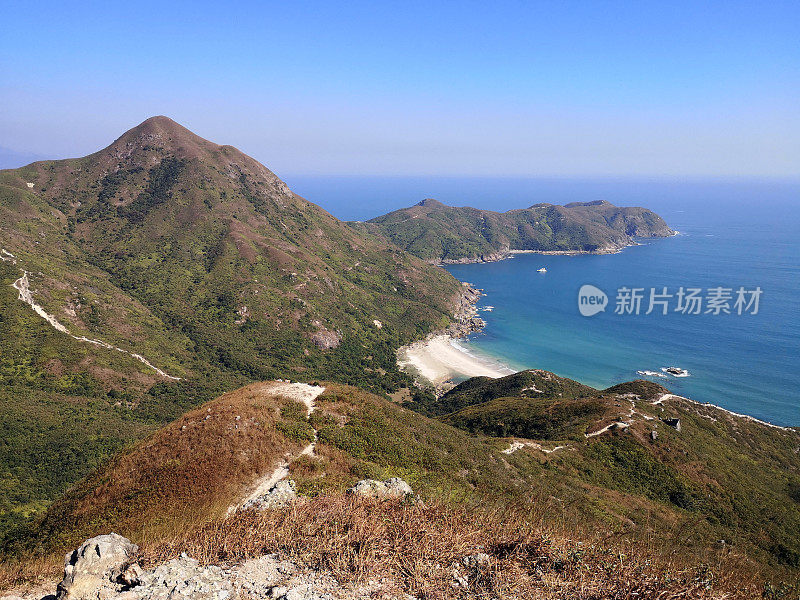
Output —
<point x="439" y="233"/>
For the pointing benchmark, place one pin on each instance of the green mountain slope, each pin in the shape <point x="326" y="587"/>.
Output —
<point x="734" y="479"/>
<point x="439" y="233"/>
<point x="218" y="249"/>
<point x="200" y="260"/>
<point x="477" y="390"/>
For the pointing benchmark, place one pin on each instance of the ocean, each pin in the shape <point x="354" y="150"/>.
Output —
<point x="733" y="234"/>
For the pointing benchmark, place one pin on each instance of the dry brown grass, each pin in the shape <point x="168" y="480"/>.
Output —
<point x="30" y="573"/>
<point x="414" y="548"/>
<point x="186" y="473"/>
<point x="179" y="478"/>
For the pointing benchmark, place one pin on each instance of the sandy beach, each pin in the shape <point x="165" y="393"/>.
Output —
<point x="438" y="360"/>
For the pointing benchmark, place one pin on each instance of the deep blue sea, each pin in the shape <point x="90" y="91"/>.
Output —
<point x="732" y="234"/>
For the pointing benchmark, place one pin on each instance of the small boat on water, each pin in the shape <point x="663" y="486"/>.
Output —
<point x="542" y="270"/>
<point x="676" y="371"/>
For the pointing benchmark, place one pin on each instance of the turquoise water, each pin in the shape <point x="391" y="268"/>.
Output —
<point x="731" y="234"/>
<point x="745" y="363"/>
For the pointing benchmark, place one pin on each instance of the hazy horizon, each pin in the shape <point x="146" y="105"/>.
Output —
<point x="446" y="89"/>
<point x="359" y="198"/>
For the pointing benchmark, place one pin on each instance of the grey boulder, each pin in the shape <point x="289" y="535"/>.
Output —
<point x="394" y="488"/>
<point x="92" y="571"/>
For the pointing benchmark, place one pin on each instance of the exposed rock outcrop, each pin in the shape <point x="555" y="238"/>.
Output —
<point x="93" y="571"/>
<point x="183" y="579"/>
<point x="483" y="258"/>
<point x="326" y="339"/>
<point x="101" y="570"/>
<point x="280" y="496"/>
<point x="465" y="319"/>
<point x="394" y="488"/>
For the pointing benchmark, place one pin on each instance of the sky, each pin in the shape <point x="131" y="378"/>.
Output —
<point x="551" y="88"/>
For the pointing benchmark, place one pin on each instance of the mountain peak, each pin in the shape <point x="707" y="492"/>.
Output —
<point x="163" y="132"/>
<point x="160" y="123"/>
<point x="430" y="202"/>
<point x="159" y="120"/>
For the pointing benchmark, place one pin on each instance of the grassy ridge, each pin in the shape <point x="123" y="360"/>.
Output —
<point x="149" y="488"/>
<point x="210" y="457"/>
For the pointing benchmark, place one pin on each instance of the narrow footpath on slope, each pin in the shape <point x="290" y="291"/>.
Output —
<point x="22" y="285"/>
<point x="301" y="392"/>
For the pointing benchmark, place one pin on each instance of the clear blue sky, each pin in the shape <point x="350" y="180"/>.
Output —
<point x="443" y="88"/>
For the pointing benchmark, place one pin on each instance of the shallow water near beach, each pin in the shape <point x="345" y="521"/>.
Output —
<point x="732" y="233"/>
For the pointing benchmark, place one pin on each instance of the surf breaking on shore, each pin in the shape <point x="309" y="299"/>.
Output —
<point x="439" y="359"/>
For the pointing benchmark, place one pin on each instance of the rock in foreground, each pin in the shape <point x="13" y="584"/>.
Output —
<point x="102" y="569"/>
<point x="183" y="578"/>
<point x="93" y="570"/>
